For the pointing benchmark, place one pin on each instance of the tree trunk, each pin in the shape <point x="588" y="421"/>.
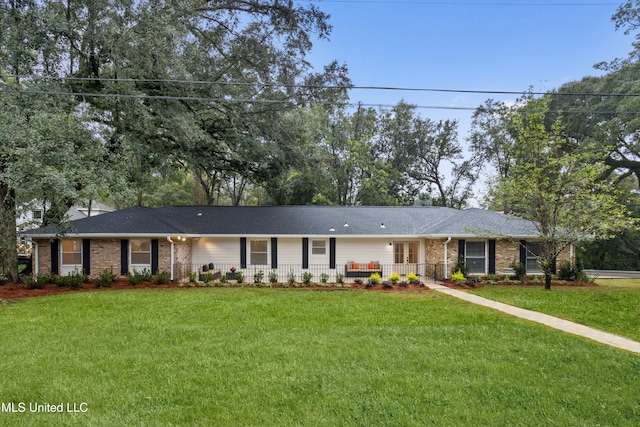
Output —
<point x="547" y="281"/>
<point x="8" y="237"/>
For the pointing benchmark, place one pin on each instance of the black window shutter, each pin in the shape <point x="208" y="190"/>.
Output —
<point x="124" y="256"/>
<point x="243" y="252"/>
<point x="86" y="256"/>
<point x="332" y="252"/>
<point x="55" y="256"/>
<point x="154" y="256"/>
<point x="523" y="252"/>
<point x="461" y="248"/>
<point x="492" y="257"/>
<point x="274" y="252"/>
<point x="305" y="252"/>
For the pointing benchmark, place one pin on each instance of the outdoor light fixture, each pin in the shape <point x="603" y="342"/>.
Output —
<point x="346" y="225"/>
<point x="382" y="225"/>
<point x="332" y="229"/>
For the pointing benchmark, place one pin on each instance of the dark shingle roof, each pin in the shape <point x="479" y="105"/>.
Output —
<point x="300" y="220"/>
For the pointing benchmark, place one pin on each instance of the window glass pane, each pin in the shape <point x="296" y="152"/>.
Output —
<point x="475" y="257"/>
<point x="258" y="252"/>
<point x="72" y="252"/>
<point x="475" y="265"/>
<point x="141" y="251"/>
<point x="141" y="245"/>
<point x="71" y="258"/>
<point x="533" y="252"/>
<point x="259" y="246"/>
<point x="413" y="252"/>
<point x="140" y="258"/>
<point x="318" y="247"/>
<point x="398" y="253"/>
<point x="71" y="245"/>
<point x="475" y="249"/>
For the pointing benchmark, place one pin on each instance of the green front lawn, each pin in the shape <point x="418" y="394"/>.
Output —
<point x="613" y="307"/>
<point x="262" y="357"/>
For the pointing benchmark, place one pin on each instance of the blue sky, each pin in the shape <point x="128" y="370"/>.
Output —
<point x="483" y="45"/>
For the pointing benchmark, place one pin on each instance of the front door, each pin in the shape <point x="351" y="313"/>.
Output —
<point x="405" y="257"/>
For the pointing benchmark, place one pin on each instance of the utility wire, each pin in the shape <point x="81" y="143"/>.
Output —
<point x="458" y="3"/>
<point x="344" y="87"/>
<point x="277" y="101"/>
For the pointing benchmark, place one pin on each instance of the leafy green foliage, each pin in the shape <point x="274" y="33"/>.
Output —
<point x="162" y="278"/>
<point x="40" y="280"/>
<point x="138" y="277"/>
<point x="557" y="188"/>
<point x="105" y="279"/>
<point x="73" y="280"/>
<point x="458" y="277"/>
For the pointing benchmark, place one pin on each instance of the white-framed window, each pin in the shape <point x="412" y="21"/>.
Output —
<point x="531" y="263"/>
<point x="140" y="252"/>
<point x="258" y="252"/>
<point x="318" y="247"/>
<point x="476" y="257"/>
<point x="71" y="252"/>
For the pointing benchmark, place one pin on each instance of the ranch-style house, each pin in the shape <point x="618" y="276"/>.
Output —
<point x="289" y="240"/>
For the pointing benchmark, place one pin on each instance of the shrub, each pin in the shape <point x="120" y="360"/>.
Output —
<point x="162" y="278"/>
<point x="519" y="270"/>
<point x="291" y="278"/>
<point x="340" y="278"/>
<point x="306" y="277"/>
<point x="412" y="277"/>
<point x="105" y="279"/>
<point x="40" y="280"/>
<point x="73" y="280"/>
<point x="239" y="277"/>
<point x="458" y="277"/>
<point x="324" y="278"/>
<point x="375" y="279"/>
<point x="257" y="278"/>
<point x="138" y="277"/>
<point x="394" y="278"/>
<point x="273" y="277"/>
<point x="569" y="271"/>
<point x="192" y="276"/>
<point x="208" y="276"/>
<point x="461" y="266"/>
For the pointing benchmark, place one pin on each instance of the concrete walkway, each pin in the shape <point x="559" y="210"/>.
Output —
<point x="553" y="322"/>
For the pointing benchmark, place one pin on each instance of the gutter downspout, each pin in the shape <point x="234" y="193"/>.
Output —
<point x="35" y="251"/>
<point x="172" y="252"/>
<point x="571" y="254"/>
<point x="446" y="266"/>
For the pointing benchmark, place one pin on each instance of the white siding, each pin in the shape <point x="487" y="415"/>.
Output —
<point x="363" y="250"/>
<point x="290" y="250"/>
<point x="218" y="250"/>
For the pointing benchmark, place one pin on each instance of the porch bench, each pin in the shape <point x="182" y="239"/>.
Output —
<point x="356" y="269"/>
<point x="209" y="268"/>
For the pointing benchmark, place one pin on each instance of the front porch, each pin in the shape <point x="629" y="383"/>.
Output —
<point x="318" y="273"/>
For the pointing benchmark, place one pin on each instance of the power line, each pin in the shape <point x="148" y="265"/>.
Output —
<point x="276" y="101"/>
<point x="459" y="3"/>
<point x="344" y="87"/>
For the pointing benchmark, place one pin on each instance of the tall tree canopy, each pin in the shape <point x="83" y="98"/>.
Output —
<point x="557" y="186"/>
<point x="201" y="85"/>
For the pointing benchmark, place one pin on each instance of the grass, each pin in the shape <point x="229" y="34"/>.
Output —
<point x="249" y="357"/>
<point x="613" y="307"/>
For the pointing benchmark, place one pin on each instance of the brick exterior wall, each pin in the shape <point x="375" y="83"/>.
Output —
<point x="105" y="255"/>
<point x="507" y="252"/>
